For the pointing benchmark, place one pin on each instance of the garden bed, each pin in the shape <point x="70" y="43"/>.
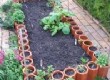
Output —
<point x="60" y="50"/>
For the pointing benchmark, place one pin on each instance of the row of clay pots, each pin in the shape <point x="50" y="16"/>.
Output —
<point x="29" y="71"/>
<point x="87" y="45"/>
<point x="89" y="74"/>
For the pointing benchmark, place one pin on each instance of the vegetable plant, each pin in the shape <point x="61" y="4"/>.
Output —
<point x="81" y="68"/>
<point x="16" y="6"/>
<point x="84" y="60"/>
<point x="70" y="78"/>
<point x="102" y="60"/>
<point x="18" y="16"/>
<point x="53" y="22"/>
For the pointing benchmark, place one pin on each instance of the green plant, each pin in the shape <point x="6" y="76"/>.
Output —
<point x="81" y="68"/>
<point x="53" y="22"/>
<point x="100" y="78"/>
<point x="53" y="3"/>
<point x="6" y="7"/>
<point x="16" y="6"/>
<point x="18" y="16"/>
<point x="11" y="68"/>
<point x="49" y="69"/>
<point x="84" y="60"/>
<point x="102" y="60"/>
<point x="41" y="74"/>
<point x="70" y="78"/>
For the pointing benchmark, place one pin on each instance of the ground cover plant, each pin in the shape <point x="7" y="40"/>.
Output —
<point x="10" y="67"/>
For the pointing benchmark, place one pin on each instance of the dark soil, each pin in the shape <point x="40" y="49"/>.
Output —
<point x="92" y="48"/>
<point x="28" y="62"/>
<point x="59" y="50"/>
<point x="69" y="72"/>
<point x="26" y="54"/>
<point x="92" y="66"/>
<point x="57" y="76"/>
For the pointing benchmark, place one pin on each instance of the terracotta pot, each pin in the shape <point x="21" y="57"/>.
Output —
<point x="73" y="29"/>
<point x="24" y="36"/>
<point x="28" y="54"/>
<point x="57" y="75"/>
<point x="29" y="70"/>
<point x="70" y="72"/>
<point x="73" y="23"/>
<point x="94" y="58"/>
<point x="86" y="44"/>
<point x="82" y="76"/>
<point x="29" y="61"/>
<point x="82" y="38"/>
<point x="78" y="33"/>
<point x="24" y="31"/>
<point x="25" y="42"/>
<point x="16" y="1"/>
<point x="26" y="48"/>
<point x="18" y="26"/>
<point x="92" y="70"/>
<point x="29" y="77"/>
<point x="64" y="19"/>
<point x="103" y="71"/>
<point x="91" y="50"/>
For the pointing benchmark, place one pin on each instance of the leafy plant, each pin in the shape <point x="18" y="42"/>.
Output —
<point x="81" y="68"/>
<point x="11" y="68"/>
<point x="53" y="22"/>
<point x="49" y="69"/>
<point x="18" y="16"/>
<point x="102" y="60"/>
<point x="53" y="3"/>
<point x="84" y="60"/>
<point x="99" y="78"/>
<point x="16" y="6"/>
<point x="6" y="7"/>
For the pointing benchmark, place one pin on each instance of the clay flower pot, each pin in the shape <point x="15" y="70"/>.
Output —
<point x="16" y="1"/>
<point x="73" y="29"/>
<point x="57" y="75"/>
<point x="91" y="50"/>
<point x="92" y="70"/>
<point x="26" y="48"/>
<point x="73" y="23"/>
<point x="28" y="54"/>
<point x="70" y="72"/>
<point x="24" y="36"/>
<point x="64" y="19"/>
<point x="82" y="38"/>
<point x="24" y="31"/>
<point x="103" y="71"/>
<point x="78" y="33"/>
<point x="86" y="44"/>
<point x="30" y="77"/>
<point x="28" y="61"/>
<point x="25" y="42"/>
<point x="82" y="75"/>
<point x="29" y="70"/>
<point x="93" y="58"/>
<point x="18" y="26"/>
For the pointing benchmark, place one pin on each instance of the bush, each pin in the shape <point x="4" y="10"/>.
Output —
<point x="18" y="16"/>
<point x="100" y="9"/>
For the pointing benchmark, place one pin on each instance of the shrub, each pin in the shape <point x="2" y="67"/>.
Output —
<point x="100" y="9"/>
<point x="18" y="16"/>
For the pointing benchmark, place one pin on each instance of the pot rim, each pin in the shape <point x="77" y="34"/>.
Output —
<point x="70" y="68"/>
<point x="25" y="78"/>
<point x="30" y="53"/>
<point x="89" y="48"/>
<point x="54" y="72"/>
<point x="83" y="72"/>
<point x="83" y="36"/>
<point x="87" y="41"/>
<point x="26" y="43"/>
<point x="22" y="62"/>
<point x="94" y="63"/>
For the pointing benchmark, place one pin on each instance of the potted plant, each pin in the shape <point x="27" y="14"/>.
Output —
<point x="26" y="62"/>
<point x="86" y="44"/>
<point x="24" y="36"/>
<point x="27" y="54"/>
<point x="19" y="27"/>
<point x="92" y="70"/>
<point x="78" y="33"/>
<point x="103" y="63"/>
<point x="70" y="72"/>
<point x="82" y="38"/>
<point x="30" y="69"/>
<point x="18" y="17"/>
<point x="57" y="75"/>
<point x="82" y="72"/>
<point x="73" y="29"/>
